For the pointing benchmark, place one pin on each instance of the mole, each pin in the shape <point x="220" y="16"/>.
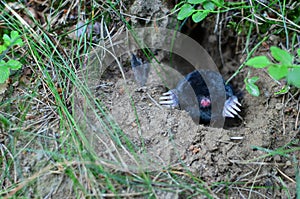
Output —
<point x="196" y="92"/>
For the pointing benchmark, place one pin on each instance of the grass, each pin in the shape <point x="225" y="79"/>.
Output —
<point x="56" y="76"/>
<point x="48" y="138"/>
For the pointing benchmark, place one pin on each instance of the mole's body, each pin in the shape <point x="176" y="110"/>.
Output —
<point x="196" y="93"/>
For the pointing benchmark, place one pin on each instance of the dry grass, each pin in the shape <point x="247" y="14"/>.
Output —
<point x="44" y="148"/>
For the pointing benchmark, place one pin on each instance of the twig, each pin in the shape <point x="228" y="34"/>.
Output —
<point x="284" y="175"/>
<point x="154" y="101"/>
<point x="297" y="118"/>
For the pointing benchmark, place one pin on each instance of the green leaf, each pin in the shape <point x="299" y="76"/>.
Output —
<point x="199" y="15"/>
<point x="298" y="52"/>
<point x="283" y="90"/>
<point x="281" y="56"/>
<point x="4" y="121"/>
<point x="253" y="80"/>
<point x="218" y="3"/>
<point x="15" y="38"/>
<point x="185" y="11"/>
<point x="7" y="40"/>
<point x="196" y="1"/>
<point x="258" y="62"/>
<point x="2" y="48"/>
<point x="14" y="34"/>
<point x="293" y="77"/>
<point x="14" y="64"/>
<point x="4" y="74"/>
<point x="294" y="66"/>
<point x="208" y="5"/>
<point x="2" y="63"/>
<point x="251" y="87"/>
<point x="278" y="71"/>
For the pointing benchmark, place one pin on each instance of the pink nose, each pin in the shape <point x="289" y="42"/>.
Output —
<point x="205" y="102"/>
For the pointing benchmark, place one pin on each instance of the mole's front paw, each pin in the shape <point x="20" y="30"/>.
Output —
<point x="169" y="99"/>
<point x="230" y="108"/>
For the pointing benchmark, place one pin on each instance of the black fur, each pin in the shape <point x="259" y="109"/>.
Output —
<point x="197" y="85"/>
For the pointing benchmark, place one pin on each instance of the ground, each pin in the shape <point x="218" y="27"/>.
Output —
<point x="130" y="133"/>
<point x="170" y="138"/>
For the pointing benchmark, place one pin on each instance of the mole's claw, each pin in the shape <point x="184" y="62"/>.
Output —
<point x="234" y="106"/>
<point x="166" y="98"/>
<point x="230" y="107"/>
<point x="232" y="110"/>
<point x="235" y="100"/>
<point x="226" y="113"/>
<point x="168" y="93"/>
<point x="170" y="102"/>
<point x="169" y="99"/>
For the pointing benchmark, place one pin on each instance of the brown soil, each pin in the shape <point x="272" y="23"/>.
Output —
<point x="169" y="138"/>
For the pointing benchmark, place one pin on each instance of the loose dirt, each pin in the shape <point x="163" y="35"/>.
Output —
<point x="170" y="138"/>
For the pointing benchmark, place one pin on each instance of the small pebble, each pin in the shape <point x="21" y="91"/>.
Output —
<point x="183" y="157"/>
<point x="279" y="106"/>
<point x="277" y="158"/>
<point x="15" y="84"/>
<point x="191" y="148"/>
<point x="195" y="150"/>
<point x="288" y="163"/>
<point x="134" y="124"/>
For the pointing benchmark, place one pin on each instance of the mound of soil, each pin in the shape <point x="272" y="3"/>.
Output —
<point x="170" y="138"/>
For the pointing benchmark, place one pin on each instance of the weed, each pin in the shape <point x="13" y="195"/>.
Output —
<point x="5" y="67"/>
<point x="282" y="67"/>
<point x="207" y="7"/>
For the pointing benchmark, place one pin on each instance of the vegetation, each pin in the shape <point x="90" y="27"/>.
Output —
<point x="284" y="69"/>
<point x="5" y="67"/>
<point x="45" y="146"/>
